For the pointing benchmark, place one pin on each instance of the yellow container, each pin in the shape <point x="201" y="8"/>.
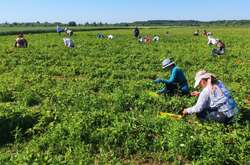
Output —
<point x="170" y="115"/>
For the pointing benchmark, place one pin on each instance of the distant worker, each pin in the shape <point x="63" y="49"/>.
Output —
<point x="68" y="31"/>
<point x="100" y="36"/>
<point x="156" y="38"/>
<point x="196" y="33"/>
<point x="215" y="102"/>
<point x="68" y="43"/>
<point x="141" y="39"/>
<point x="220" y="50"/>
<point x="206" y="33"/>
<point x="145" y="40"/>
<point x="212" y="40"/>
<point x="176" y="82"/>
<point x="136" y="32"/>
<point x="110" y="37"/>
<point x="58" y="29"/>
<point x="21" y="42"/>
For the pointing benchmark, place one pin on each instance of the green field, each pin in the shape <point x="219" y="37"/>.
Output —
<point x="90" y="104"/>
<point x="13" y="30"/>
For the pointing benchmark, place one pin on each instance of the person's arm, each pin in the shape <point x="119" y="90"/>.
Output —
<point x="15" y="44"/>
<point x="172" y="77"/>
<point x="201" y="104"/>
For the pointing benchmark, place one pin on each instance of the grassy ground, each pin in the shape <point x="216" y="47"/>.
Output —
<point x="7" y="30"/>
<point x="91" y="104"/>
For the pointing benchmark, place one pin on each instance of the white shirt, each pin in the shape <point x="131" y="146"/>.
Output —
<point x="212" y="40"/>
<point x="156" y="38"/>
<point x="68" y="42"/>
<point x="218" y="98"/>
<point x="110" y="37"/>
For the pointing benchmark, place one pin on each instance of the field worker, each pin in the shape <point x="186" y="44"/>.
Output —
<point x="21" y="42"/>
<point x="68" y="43"/>
<point x="205" y="33"/>
<point x="68" y="32"/>
<point x="147" y="39"/>
<point x="156" y="38"/>
<point x="58" y="29"/>
<point x="110" y="36"/>
<point x="196" y="33"/>
<point x="100" y="36"/>
<point x="215" y="101"/>
<point x="212" y="40"/>
<point x="220" y="50"/>
<point x="177" y="80"/>
<point x="141" y="39"/>
<point x="136" y="32"/>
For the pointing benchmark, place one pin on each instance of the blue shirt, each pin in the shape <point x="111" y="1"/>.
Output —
<point x="58" y="29"/>
<point x="176" y="77"/>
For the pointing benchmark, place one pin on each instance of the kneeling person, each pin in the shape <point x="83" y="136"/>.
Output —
<point x="21" y="42"/>
<point x="215" y="102"/>
<point x="156" y="38"/>
<point x="177" y="80"/>
<point x="68" y="43"/>
<point x="220" y="50"/>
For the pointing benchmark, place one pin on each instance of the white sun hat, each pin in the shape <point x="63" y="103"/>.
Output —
<point x="201" y="75"/>
<point x="166" y="63"/>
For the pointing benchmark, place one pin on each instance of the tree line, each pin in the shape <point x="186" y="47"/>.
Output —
<point x="137" y="23"/>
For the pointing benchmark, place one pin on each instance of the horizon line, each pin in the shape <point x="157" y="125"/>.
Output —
<point x="63" y="22"/>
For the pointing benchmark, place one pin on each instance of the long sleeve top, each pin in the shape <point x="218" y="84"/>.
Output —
<point x="218" y="98"/>
<point x="68" y="42"/>
<point x="176" y="77"/>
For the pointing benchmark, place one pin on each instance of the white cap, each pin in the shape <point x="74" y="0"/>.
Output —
<point x="201" y="75"/>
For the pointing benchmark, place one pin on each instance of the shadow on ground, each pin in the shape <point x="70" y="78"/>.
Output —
<point x="9" y="124"/>
<point x="245" y="115"/>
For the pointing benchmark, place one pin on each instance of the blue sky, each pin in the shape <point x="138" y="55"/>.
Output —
<point x="121" y="10"/>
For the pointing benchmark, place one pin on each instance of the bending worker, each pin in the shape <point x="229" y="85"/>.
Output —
<point x="220" y="50"/>
<point x="176" y="82"/>
<point x="68" y="43"/>
<point x="215" y="102"/>
<point x="21" y="42"/>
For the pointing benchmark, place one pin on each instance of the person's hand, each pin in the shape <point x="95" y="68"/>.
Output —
<point x="195" y="93"/>
<point x="158" y="81"/>
<point x="162" y="91"/>
<point x="184" y="112"/>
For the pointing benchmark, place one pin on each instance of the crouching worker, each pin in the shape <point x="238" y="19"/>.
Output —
<point x="100" y="36"/>
<point x="156" y="38"/>
<point x="220" y="50"/>
<point x="176" y="82"/>
<point x="59" y="29"/>
<point x="110" y="37"/>
<point x="196" y="33"/>
<point x="68" y="43"/>
<point x="215" y="102"/>
<point x="68" y="32"/>
<point x="136" y="32"/>
<point x="21" y="42"/>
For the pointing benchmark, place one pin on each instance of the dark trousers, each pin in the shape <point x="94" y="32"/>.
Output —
<point x="172" y="89"/>
<point x="213" y="115"/>
<point x="218" y="51"/>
